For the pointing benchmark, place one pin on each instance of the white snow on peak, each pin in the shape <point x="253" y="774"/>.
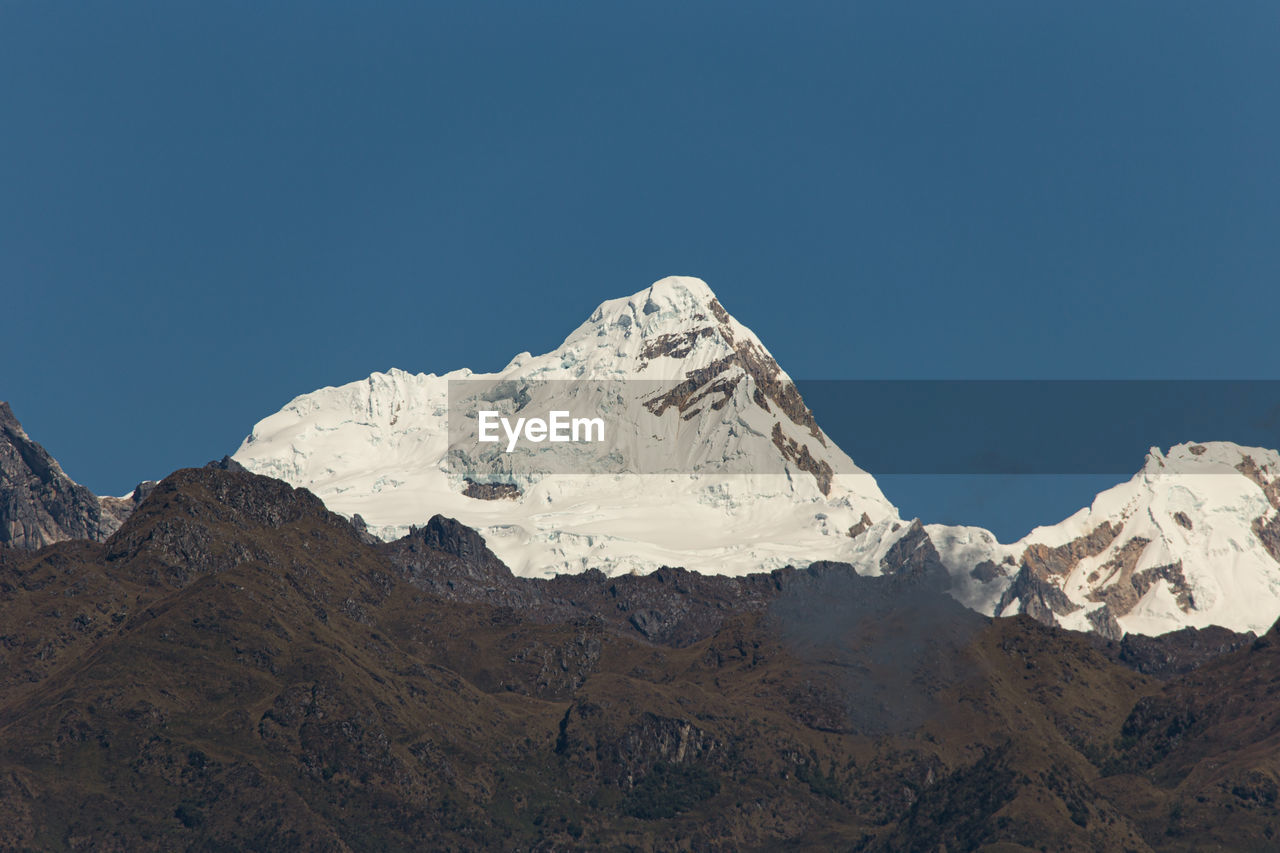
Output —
<point x="379" y="447"/>
<point x="612" y="343"/>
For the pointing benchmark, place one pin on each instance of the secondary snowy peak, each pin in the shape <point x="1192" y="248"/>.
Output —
<point x="1193" y="539"/>
<point x="738" y="475"/>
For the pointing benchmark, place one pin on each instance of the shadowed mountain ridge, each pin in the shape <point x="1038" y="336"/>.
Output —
<point x="237" y="667"/>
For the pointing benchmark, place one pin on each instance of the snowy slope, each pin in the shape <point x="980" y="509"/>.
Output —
<point x="726" y="497"/>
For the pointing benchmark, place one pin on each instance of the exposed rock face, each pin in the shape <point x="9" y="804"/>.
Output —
<point x="1104" y="623"/>
<point x="861" y="527"/>
<point x="452" y="537"/>
<point x="771" y="384"/>
<point x="1034" y="595"/>
<point x="1266" y="529"/>
<point x="1117" y="584"/>
<point x="1035" y="590"/>
<point x="491" y="491"/>
<point x="986" y="571"/>
<point x="1122" y="594"/>
<point x="697" y="389"/>
<point x="914" y="559"/>
<point x="799" y="454"/>
<point x="674" y="345"/>
<point x="1062" y="559"/>
<point x="446" y="553"/>
<point x="362" y="530"/>
<point x="710" y="384"/>
<point x="39" y="504"/>
<point x="1270" y="485"/>
<point x="1268" y="532"/>
<point x="1179" y="652"/>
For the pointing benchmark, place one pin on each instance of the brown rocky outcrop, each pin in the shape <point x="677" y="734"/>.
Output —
<point x="1036" y="596"/>
<point x="861" y="527"/>
<point x="1266" y="529"/>
<point x="1061" y="559"/>
<point x="798" y="453"/>
<point x="709" y="385"/>
<point x="491" y="491"/>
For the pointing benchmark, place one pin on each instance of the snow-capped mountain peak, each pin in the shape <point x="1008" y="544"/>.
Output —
<point x="727" y="470"/>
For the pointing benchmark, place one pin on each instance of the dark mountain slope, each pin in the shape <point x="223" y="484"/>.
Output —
<point x="237" y="668"/>
<point x="1207" y="749"/>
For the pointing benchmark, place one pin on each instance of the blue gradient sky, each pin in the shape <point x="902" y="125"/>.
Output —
<point x="207" y="209"/>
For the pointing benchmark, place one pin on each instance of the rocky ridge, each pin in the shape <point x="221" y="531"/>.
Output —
<point x="40" y="504"/>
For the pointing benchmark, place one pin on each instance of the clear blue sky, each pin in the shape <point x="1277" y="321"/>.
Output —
<point x="207" y="209"/>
